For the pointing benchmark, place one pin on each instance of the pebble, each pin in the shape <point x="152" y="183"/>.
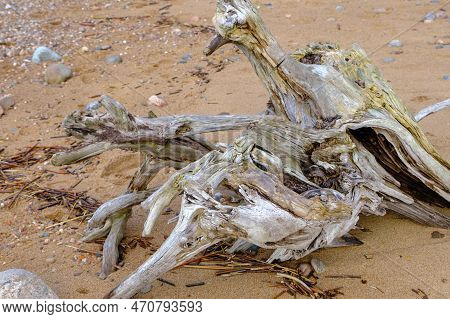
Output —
<point x="92" y="106"/>
<point x="84" y="49"/>
<point x="7" y="101"/>
<point x="46" y="241"/>
<point x="57" y="73"/>
<point x="288" y="16"/>
<point x="195" y="19"/>
<point x="113" y="59"/>
<point x="340" y="8"/>
<point x="44" y="234"/>
<point x="446" y="77"/>
<point x="380" y="10"/>
<point x="50" y="260"/>
<point x="305" y="269"/>
<point x="177" y="31"/>
<point x="22" y="284"/>
<point x="388" y="60"/>
<point x="318" y="265"/>
<point x="185" y="58"/>
<point x="429" y="17"/>
<point x="395" y="44"/>
<point x="43" y="54"/>
<point x="102" y="47"/>
<point x="78" y="273"/>
<point x="157" y="101"/>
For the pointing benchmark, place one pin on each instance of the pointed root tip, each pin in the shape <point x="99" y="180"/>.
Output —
<point x="216" y="42"/>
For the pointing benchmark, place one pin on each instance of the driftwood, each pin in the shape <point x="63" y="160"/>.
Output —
<point x="335" y="142"/>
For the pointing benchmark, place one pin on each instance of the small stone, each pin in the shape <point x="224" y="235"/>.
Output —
<point x="388" y="60"/>
<point x="43" y="54"/>
<point x="92" y="106"/>
<point x="85" y="49"/>
<point x="195" y="19"/>
<point x="340" y="8"/>
<point x="113" y="59"/>
<point x="395" y="44"/>
<point x="446" y="77"/>
<point x="44" y="234"/>
<point x="288" y="16"/>
<point x="185" y="58"/>
<point x="50" y="260"/>
<point x="57" y="73"/>
<point x="78" y="273"/>
<point x="368" y="256"/>
<point x="305" y="269"/>
<point x="331" y="19"/>
<point x="268" y="5"/>
<point x="177" y="31"/>
<point x="318" y="265"/>
<point x="441" y="14"/>
<point x="72" y="240"/>
<point x="380" y="10"/>
<point x="7" y="101"/>
<point x="46" y="241"/>
<point x="22" y="284"/>
<point x="429" y="17"/>
<point x="102" y="47"/>
<point x="437" y="234"/>
<point x="157" y="101"/>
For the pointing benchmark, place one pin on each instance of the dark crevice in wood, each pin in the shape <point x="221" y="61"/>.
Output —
<point x="388" y="158"/>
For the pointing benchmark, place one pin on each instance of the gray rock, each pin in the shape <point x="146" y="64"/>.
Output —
<point x="388" y="60"/>
<point x="318" y="265"/>
<point x="22" y="284"/>
<point x="446" y="77"/>
<point x="103" y="47"/>
<point x="57" y="73"/>
<point x="395" y="44"/>
<point x="113" y="59"/>
<point x="7" y="101"/>
<point x="340" y="8"/>
<point x="185" y="58"/>
<point x="43" y="54"/>
<point x="429" y="17"/>
<point x="50" y="260"/>
<point x="92" y="106"/>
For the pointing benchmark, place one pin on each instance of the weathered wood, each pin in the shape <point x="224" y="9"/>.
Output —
<point x="339" y="143"/>
<point x="431" y="109"/>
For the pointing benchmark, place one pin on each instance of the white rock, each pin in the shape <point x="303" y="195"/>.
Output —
<point x="155" y="100"/>
<point x="395" y="44"/>
<point x="43" y="54"/>
<point x="22" y="284"/>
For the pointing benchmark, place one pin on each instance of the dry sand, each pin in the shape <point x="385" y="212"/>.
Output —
<point x="398" y="255"/>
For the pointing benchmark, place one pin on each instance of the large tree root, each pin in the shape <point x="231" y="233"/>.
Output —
<point x="335" y="143"/>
